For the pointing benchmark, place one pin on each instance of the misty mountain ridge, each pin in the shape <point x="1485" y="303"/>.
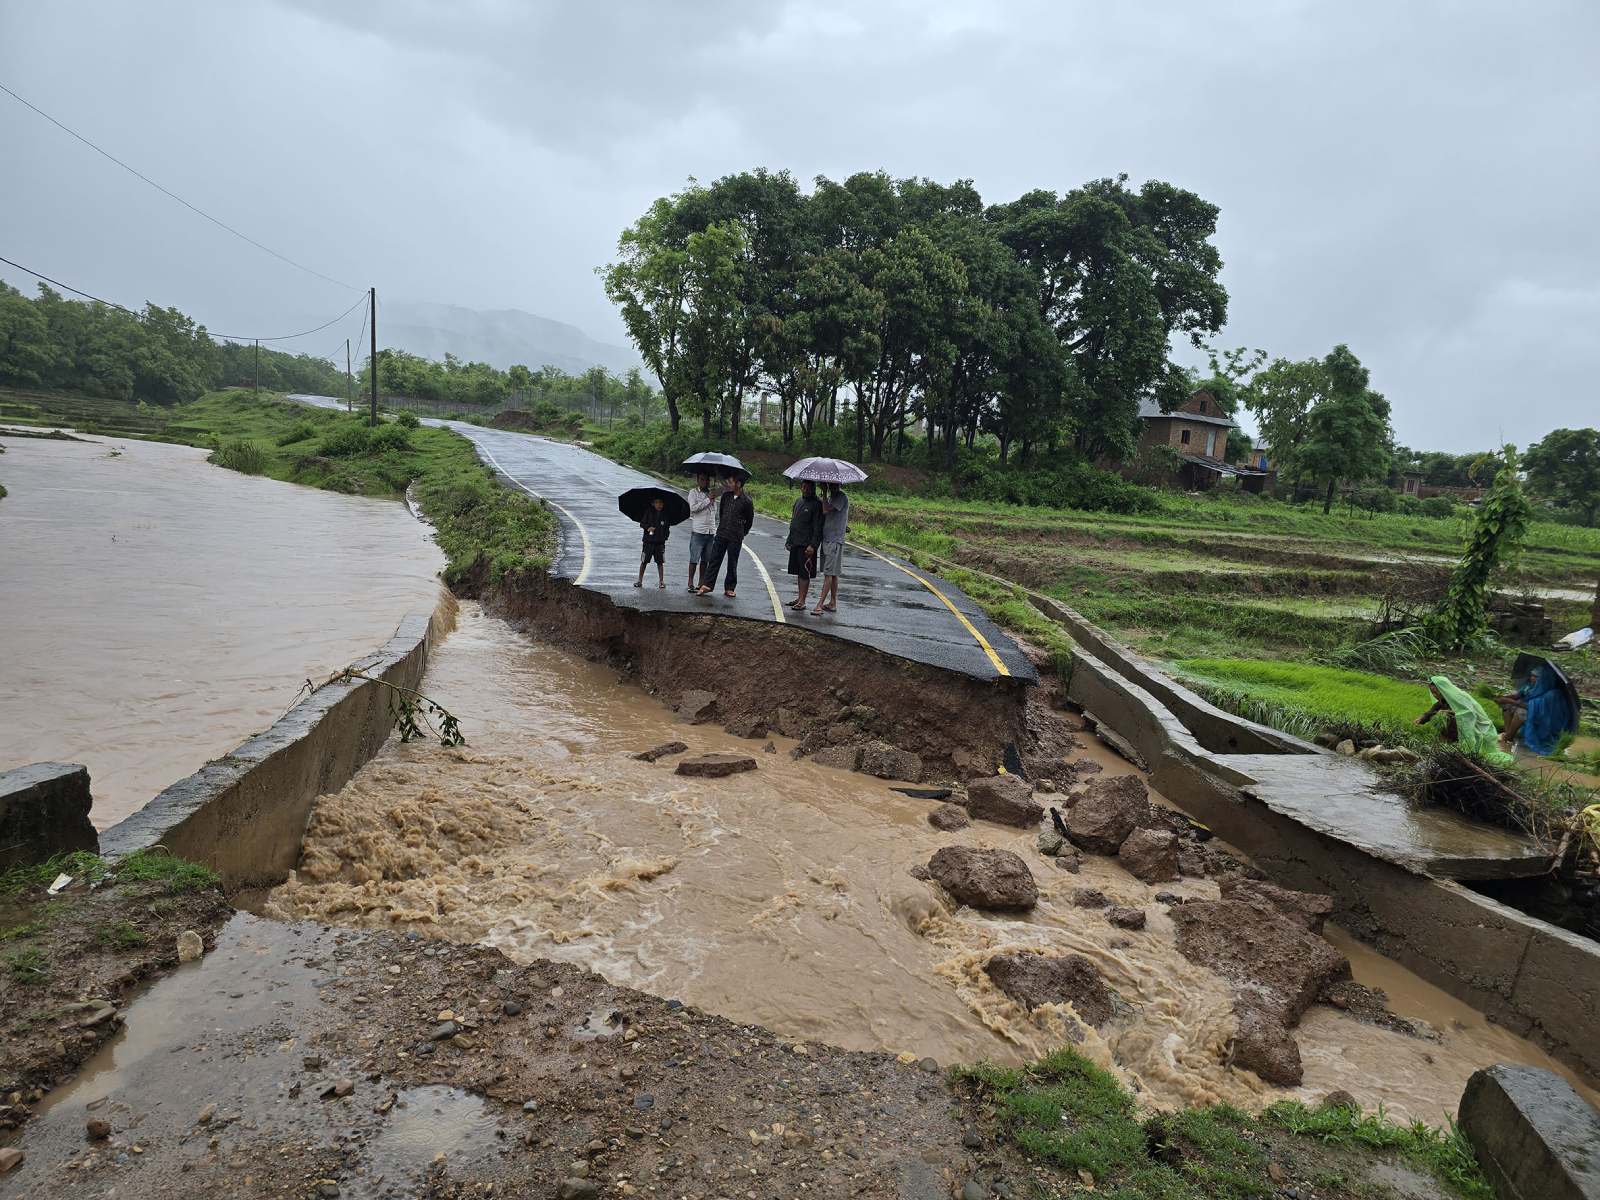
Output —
<point x="501" y="338"/>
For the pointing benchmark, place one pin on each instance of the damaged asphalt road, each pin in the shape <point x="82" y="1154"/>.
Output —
<point x="298" y="1061"/>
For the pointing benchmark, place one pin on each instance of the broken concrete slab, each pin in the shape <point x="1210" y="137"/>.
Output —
<point x="44" y="810"/>
<point x="1532" y="1134"/>
<point x="715" y="766"/>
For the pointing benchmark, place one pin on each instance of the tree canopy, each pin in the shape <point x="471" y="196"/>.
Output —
<point x="1565" y="468"/>
<point x="874" y="304"/>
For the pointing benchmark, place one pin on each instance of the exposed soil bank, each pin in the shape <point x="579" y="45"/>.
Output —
<point x="792" y="680"/>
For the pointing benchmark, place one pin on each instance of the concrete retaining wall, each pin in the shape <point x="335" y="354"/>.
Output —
<point x="244" y="814"/>
<point x="44" y="810"/>
<point x="1539" y="981"/>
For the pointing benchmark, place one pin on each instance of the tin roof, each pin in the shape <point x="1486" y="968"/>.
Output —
<point x="1150" y="410"/>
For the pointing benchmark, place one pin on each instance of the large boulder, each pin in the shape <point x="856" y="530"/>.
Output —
<point x="995" y="879"/>
<point x="1006" y="799"/>
<point x="697" y="707"/>
<point x="793" y="723"/>
<point x="1307" y="909"/>
<point x="1262" y="1044"/>
<point x="1273" y="961"/>
<point x="1150" y="855"/>
<point x="747" y="725"/>
<point x="1032" y="979"/>
<point x="715" y="766"/>
<point x="1109" y="809"/>
<point x="890" y="762"/>
<point x="949" y="817"/>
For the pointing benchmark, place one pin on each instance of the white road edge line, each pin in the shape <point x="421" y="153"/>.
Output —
<point x="583" y="533"/>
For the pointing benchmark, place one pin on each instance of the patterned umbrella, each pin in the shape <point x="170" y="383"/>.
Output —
<point x="826" y="470"/>
<point x="712" y="463"/>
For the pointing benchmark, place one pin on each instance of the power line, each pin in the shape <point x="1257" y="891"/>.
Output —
<point x="173" y="195"/>
<point x="227" y="337"/>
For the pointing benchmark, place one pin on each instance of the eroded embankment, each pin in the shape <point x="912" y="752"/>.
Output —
<point x="794" y="681"/>
<point x="782" y="896"/>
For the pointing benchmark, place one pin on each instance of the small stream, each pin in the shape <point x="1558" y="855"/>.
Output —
<point x="781" y="897"/>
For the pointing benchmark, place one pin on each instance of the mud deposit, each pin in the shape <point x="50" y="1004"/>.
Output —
<point x="779" y="897"/>
<point x="159" y="609"/>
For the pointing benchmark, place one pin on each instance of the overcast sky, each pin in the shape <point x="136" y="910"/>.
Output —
<point x="1416" y="180"/>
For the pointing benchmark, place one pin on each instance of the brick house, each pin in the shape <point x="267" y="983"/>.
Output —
<point x="1198" y="431"/>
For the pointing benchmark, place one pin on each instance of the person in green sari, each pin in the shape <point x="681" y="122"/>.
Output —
<point x="1465" y="722"/>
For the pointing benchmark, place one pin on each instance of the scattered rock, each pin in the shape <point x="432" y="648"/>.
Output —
<point x="1264" y="1045"/>
<point x="1326" y="740"/>
<point x="1340" y="1099"/>
<point x="511" y="1008"/>
<point x="1050" y="842"/>
<point x="1150" y="855"/>
<point x="993" y="879"/>
<point x="971" y="1138"/>
<point x="328" y="1191"/>
<point x="949" y="817"/>
<point x="1169" y="898"/>
<point x="1276" y="1173"/>
<point x="1107" y="812"/>
<point x="747" y="726"/>
<point x="190" y="946"/>
<point x="1069" y="862"/>
<point x="530" y="1106"/>
<point x="890" y="762"/>
<point x="930" y="1065"/>
<point x="715" y="766"/>
<point x="973" y="1190"/>
<point x="98" y="1128"/>
<point x="1126" y="918"/>
<point x="1273" y="960"/>
<point x="1005" y="799"/>
<point x="792" y="723"/>
<point x="1044" y="785"/>
<point x="920" y="871"/>
<point x="697" y="708"/>
<point x="577" y="1189"/>
<point x="311" y="1062"/>
<point x="769" y="748"/>
<point x="1192" y="864"/>
<point x="445" y="1031"/>
<point x="1032" y="979"/>
<point x="839" y="758"/>
<point x="1346" y="748"/>
<point x="1090" y="897"/>
<point x="661" y="751"/>
<point x="1305" y="908"/>
<point x="10" y="1156"/>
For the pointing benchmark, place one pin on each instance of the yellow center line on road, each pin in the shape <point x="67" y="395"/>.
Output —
<point x="960" y="616"/>
<point x="582" y="532"/>
<point x="777" y="605"/>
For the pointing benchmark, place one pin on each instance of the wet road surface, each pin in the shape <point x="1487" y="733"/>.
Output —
<point x="884" y="602"/>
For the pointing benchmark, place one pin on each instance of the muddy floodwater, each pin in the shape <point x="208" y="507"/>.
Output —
<point x="782" y="896"/>
<point x="157" y="610"/>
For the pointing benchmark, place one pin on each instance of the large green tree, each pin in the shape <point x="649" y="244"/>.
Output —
<point x="1347" y="435"/>
<point x="1565" y="467"/>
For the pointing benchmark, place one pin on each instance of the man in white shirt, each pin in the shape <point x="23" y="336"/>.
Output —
<point x="702" y="527"/>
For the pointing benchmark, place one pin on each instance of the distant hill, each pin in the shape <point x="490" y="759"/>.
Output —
<point x="501" y="338"/>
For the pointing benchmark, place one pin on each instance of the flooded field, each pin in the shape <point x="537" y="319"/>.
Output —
<point x="158" y="609"/>
<point x="782" y="897"/>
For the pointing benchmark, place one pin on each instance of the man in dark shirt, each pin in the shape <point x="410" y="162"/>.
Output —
<point x="737" y="516"/>
<point x="805" y="535"/>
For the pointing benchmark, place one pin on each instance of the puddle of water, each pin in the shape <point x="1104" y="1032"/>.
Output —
<point x="159" y="610"/>
<point x="427" y="1122"/>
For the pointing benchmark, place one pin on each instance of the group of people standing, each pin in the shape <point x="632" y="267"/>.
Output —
<point x="720" y="518"/>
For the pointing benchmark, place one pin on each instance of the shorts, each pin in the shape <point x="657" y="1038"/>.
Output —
<point x="700" y="547"/>
<point x="654" y="552"/>
<point x="831" y="555"/>
<point x="802" y="564"/>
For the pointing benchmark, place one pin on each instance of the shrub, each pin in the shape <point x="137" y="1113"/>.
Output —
<point x="346" y="440"/>
<point x="1440" y="508"/>
<point x="408" y="420"/>
<point x="299" y="433"/>
<point x="240" y="455"/>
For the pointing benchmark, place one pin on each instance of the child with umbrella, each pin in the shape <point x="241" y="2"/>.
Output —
<point x="656" y="510"/>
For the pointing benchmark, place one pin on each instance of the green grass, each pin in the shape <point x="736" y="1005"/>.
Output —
<point x="22" y="931"/>
<point x="1298" y="696"/>
<point x="121" y="936"/>
<point x="79" y="864"/>
<point x="27" y="966"/>
<point x="1065" y="1114"/>
<point x="157" y="866"/>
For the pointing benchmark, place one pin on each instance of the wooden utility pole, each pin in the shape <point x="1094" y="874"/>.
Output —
<point x="349" y="381"/>
<point x="372" y="418"/>
<point x="256" y="385"/>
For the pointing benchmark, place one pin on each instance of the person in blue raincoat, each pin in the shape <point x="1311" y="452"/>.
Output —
<point x="1537" y="711"/>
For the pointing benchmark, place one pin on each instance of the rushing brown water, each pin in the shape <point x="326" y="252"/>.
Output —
<point x="157" y="610"/>
<point x="779" y="896"/>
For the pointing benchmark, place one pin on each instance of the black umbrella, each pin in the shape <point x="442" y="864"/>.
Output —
<point x="640" y="501"/>
<point x="712" y="463"/>
<point x="1526" y="664"/>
